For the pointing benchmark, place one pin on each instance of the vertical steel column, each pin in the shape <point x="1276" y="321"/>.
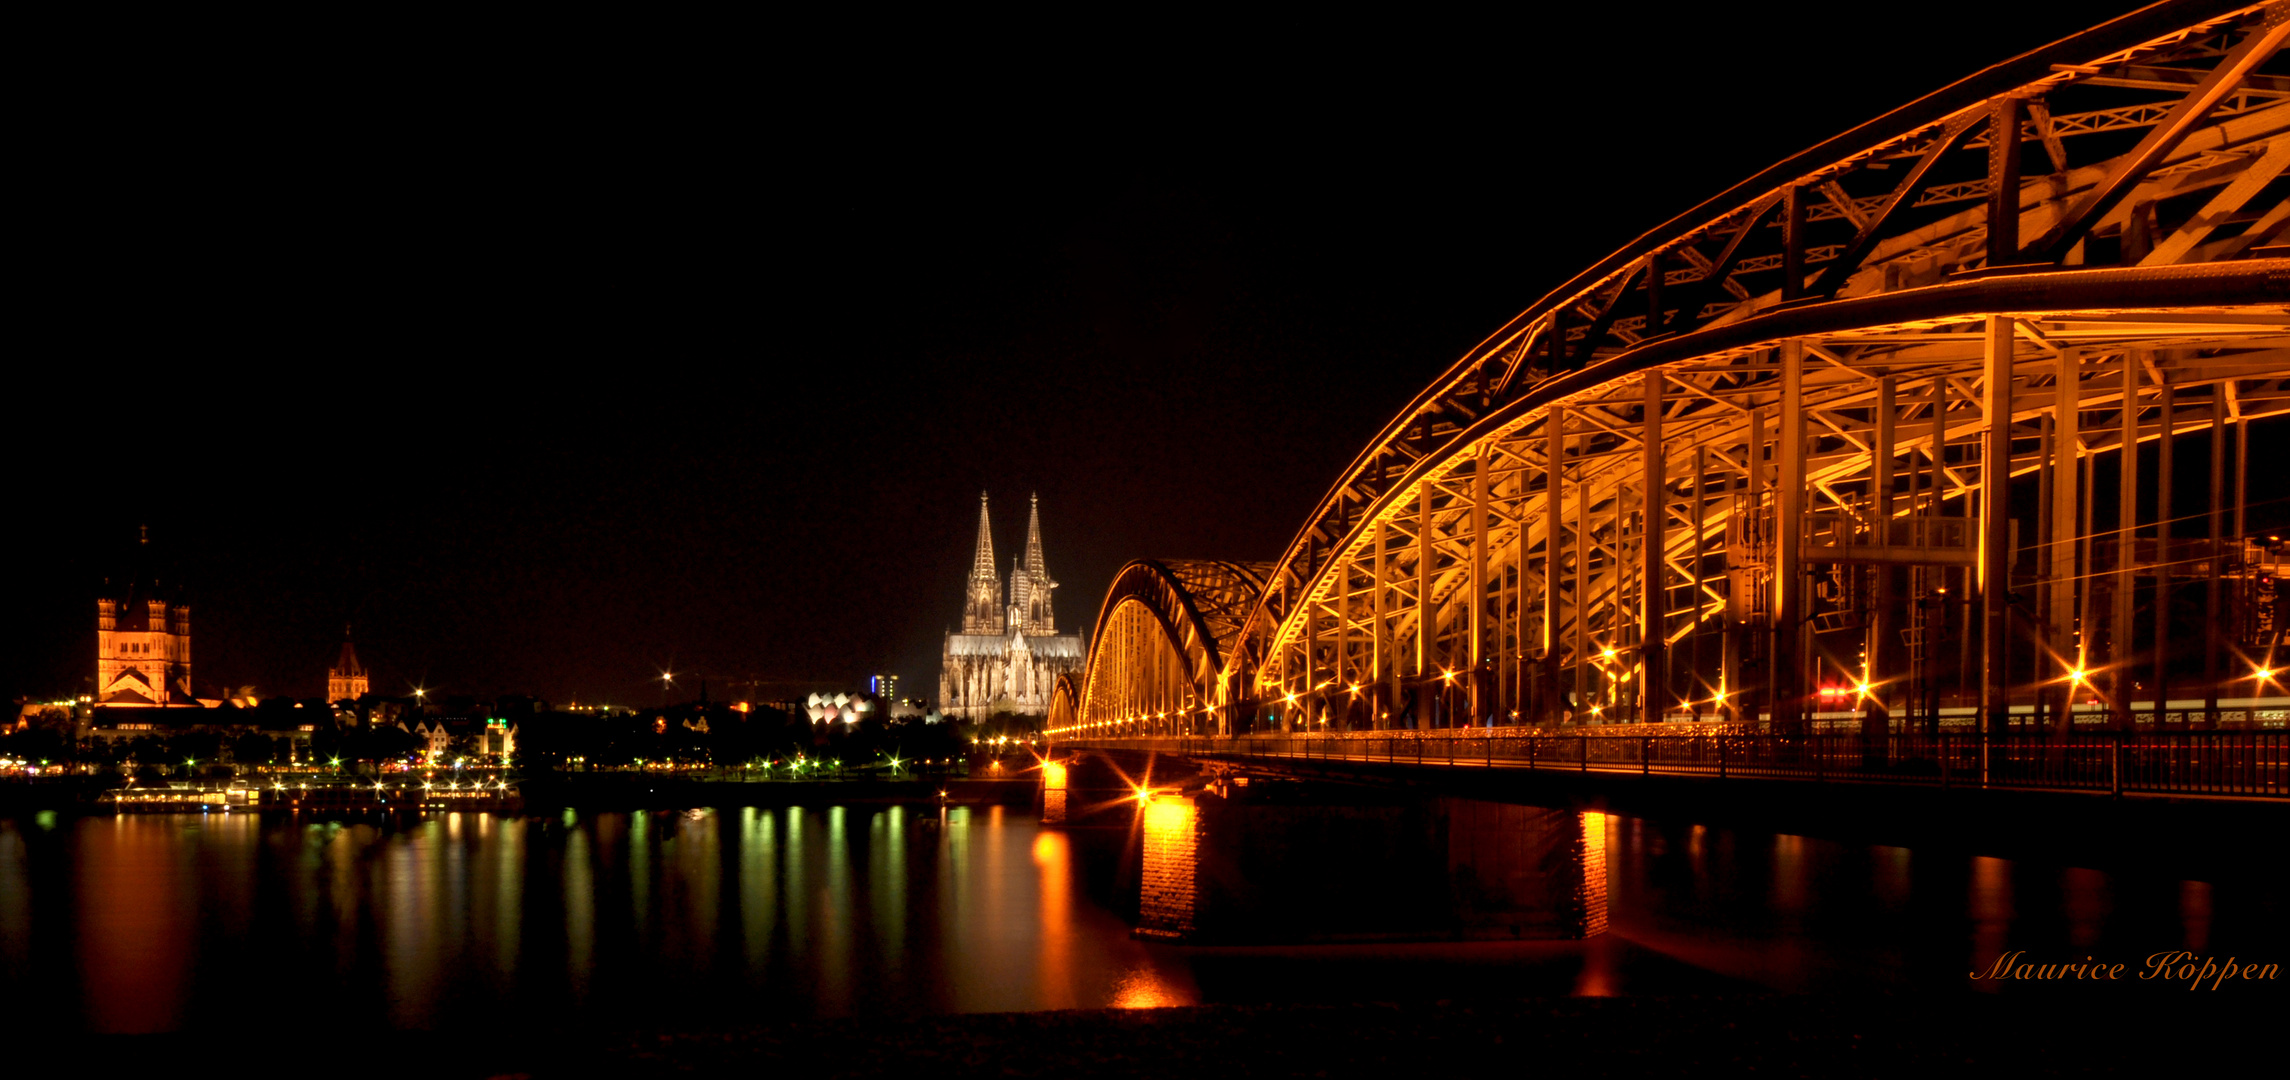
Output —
<point x="1788" y="541"/>
<point x="2242" y="531"/>
<point x="2067" y="642"/>
<point x="1343" y="669"/>
<point x="2216" y="553"/>
<point x="1694" y="633"/>
<point x="1967" y="583"/>
<point x="2087" y="580"/>
<point x="1554" y="559"/>
<point x="1939" y="578"/>
<point x="1510" y="618"/>
<point x="1476" y="653"/>
<point x="1747" y="512"/>
<point x="1581" y="606"/>
<point x="1284" y="672"/>
<point x="2039" y="544"/>
<point x="1621" y="626"/>
<point x="1995" y="525"/>
<point x="1386" y="679"/>
<point x="2122" y="636"/>
<point x="1426" y="622"/>
<point x="1915" y="582"/>
<point x="2241" y="480"/>
<point x="1309" y="704"/>
<point x="1876" y="719"/>
<point x="2162" y="564"/>
<point x="1653" y="681"/>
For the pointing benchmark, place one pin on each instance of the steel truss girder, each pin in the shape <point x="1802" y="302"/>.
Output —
<point x="1441" y="536"/>
<point x="1920" y="249"/>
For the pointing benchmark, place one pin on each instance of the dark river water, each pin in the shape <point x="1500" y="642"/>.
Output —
<point x="466" y="922"/>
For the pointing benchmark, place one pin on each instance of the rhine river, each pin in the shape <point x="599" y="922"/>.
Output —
<point x="698" y="917"/>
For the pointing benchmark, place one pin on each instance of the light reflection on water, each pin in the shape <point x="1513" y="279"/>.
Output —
<point x="468" y="921"/>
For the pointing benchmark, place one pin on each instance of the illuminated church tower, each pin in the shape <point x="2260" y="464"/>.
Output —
<point x="1030" y="582"/>
<point x="982" y="607"/>
<point x="142" y="642"/>
<point x="346" y="680"/>
<point x="1009" y="653"/>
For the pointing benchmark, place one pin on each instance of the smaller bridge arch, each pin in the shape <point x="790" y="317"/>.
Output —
<point x="1065" y="702"/>
<point x="1158" y="654"/>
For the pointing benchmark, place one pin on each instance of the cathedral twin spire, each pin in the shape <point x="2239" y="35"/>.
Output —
<point x="1027" y="606"/>
<point x="982" y="603"/>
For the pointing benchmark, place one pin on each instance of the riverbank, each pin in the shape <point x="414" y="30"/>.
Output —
<point x="640" y="791"/>
<point x="610" y="791"/>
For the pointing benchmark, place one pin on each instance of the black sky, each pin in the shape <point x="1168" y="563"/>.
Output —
<point x="551" y="374"/>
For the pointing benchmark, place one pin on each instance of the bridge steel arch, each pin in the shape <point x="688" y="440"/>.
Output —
<point x="1157" y="656"/>
<point x="1845" y="424"/>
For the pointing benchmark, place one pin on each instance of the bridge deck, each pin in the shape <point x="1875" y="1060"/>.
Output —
<point x="2200" y="764"/>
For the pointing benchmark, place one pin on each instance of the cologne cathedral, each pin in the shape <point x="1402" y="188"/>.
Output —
<point x="1009" y="654"/>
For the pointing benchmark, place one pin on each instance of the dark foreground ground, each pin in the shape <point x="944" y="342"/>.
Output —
<point x="2071" y="1034"/>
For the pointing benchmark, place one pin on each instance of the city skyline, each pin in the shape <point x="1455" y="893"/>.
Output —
<point x="1729" y="535"/>
<point x="542" y="471"/>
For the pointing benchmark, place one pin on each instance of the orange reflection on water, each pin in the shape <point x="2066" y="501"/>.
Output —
<point x="1054" y="969"/>
<point x="1165" y="906"/>
<point x="1593" y="874"/>
<point x="1142" y="988"/>
<point x="1598" y="977"/>
<point x="2194" y="913"/>
<point x="1991" y="910"/>
<point x="135" y="965"/>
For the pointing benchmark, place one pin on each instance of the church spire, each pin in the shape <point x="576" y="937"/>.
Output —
<point x="1034" y="565"/>
<point x="983" y="562"/>
<point x="1040" y="618"/>
<point x="982" y="606"/>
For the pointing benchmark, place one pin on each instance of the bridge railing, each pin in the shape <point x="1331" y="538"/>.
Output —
<point x="2219" y="763"/>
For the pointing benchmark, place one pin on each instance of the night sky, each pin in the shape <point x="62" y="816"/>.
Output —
<point x="548" y="383"/>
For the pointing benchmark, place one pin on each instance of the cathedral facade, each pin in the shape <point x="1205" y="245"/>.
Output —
<point x="1009" y="654"/>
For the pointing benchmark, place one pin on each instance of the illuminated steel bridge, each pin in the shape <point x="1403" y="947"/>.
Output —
<point x="1841" y="447"/>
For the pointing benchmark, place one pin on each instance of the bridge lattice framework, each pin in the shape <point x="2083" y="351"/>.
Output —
<point x="1841" y="426"/>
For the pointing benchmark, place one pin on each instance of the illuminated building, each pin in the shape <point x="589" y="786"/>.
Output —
<point x="483" y="738"/>
<point x="848" y="708"/>
<point x="142" y="645"/>
<point x="1009" y="654"/>
<point x="346" y="680"/>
